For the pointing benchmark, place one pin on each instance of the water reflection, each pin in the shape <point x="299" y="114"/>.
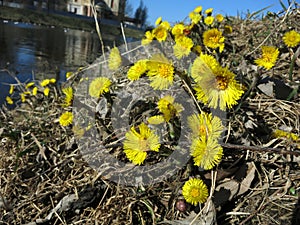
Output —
<point x="36" y="52"/>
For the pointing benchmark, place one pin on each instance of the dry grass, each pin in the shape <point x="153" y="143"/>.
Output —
<point x="45" y="180"/>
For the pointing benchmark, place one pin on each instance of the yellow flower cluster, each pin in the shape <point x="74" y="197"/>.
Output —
<point x="206" y="129"/>
<point x="29" y="89"/>
<point x="158" y="68"/>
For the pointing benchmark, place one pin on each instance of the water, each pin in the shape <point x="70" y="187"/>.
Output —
<point x="36" y="52"/>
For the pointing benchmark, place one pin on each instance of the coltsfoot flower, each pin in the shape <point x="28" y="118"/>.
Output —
<point x="66" y="119"/>
<point x="99" y="86"/>
<point x="268" y="58"/>
<point x="137" y="143"/>
<point x="195" y="191"/>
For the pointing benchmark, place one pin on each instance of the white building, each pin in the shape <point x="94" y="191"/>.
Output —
<point x="83" y="7"/>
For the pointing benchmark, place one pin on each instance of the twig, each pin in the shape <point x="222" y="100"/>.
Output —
<point x="260" y="149"/>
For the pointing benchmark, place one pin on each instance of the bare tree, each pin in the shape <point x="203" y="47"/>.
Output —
<point x="141" y="14"/>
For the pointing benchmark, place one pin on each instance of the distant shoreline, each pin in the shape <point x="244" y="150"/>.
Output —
<point x="64" y="21"/>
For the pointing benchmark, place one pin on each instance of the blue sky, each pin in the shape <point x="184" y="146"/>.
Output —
<point x="176" y="10"/>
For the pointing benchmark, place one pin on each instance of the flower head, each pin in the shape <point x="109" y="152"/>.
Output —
<point x="68" y="96"/>
<point x="66" y="119"/>
<point x="46" y="91"/>
<point x="219" y="89"/>
<point x="205" y="126"/>
<point x="168" y="108"/>
<point x="219" y="18"/>
<point x="30" y="84"/>
<point x="158" y="119"/>
<point x="34" y="91"/>
<point x="227" y="29"/>
<point x="203" y="65"/>
<point x="148" y="38"/>
<point x="137" y="143"/>
<point x="158" y="21"/>
<point x="11" y="89"/>
<point x="198" y="9"/>
<point x="160" y="33"/>
<point x="161" y="72"/>
<point x="115" y="60"/>
<point x="9" y="100"/>
<point x="291" y="38"/>
<point x="178" y="29"/>
<point x="195" y="191"/>
<point x="138" y="69"/>
<point x="206" y="153"/>
<point x="45" y="82"/>
<point x="183" y="46"/>
<point x="209" y="20"/>
<point x="213" y="38"/>
<point x="208" y="11"/>
<point x="98" y="86"/>
<point x="268" y="58"/>
<point x="195" y="17"/>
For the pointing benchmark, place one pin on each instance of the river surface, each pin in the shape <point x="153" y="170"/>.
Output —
<point x="30" y="52"/>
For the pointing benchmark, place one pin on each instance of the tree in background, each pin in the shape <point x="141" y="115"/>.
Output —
<point x="128" y="9"/>
<point x="141" y="14"/>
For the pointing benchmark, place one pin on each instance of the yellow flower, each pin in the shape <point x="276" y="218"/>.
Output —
<point x="69" y="74"/>
<point x="268" y="58"/>
<point x="137" y="144"/>
<point x="30" y="84"/>
<point x="195" y="17"/>
<point x="198" y="9"/>
<point x="34" y="91"/>
<point x="178" y="29"/>
<point x="115" y="60"/>
<point x="66" y="119"/>
<point x="138" y="69"/>
<point x="158" y="21"/>
<point x="213" y="38"/>
<point x="208" y="11"/>
<point x="158" y="119"/>
<point x="209" y="20"/>
<point x="219" y="89"/>
<point x="168" y="108"/>
<point x="206" y="154"/>
<point x="11" y="89"/>
<point x="45" y="82"/>
<point x="46" y="91"/>
<point x="9" y="100"/>
<point x="161" y="72"/>
<point x="205" y="126"/>
<point x="68" y="96"/>
<point x="52" y="80"/>
<point x="280" y="133"/>
<point x="219" y="17"/>
<point x="203" y="65"/>
<point x="195" y="191"/>
<point x="183" y="46"/>
<point x="98" y="86"/>
<point x="228" y="29"/>
<point x="166" y="25"/>
<point x="291" y="38"/>
<point x="23" y="98"/>
<point x="160" y="33"/>
<point x="148" y="38"/>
